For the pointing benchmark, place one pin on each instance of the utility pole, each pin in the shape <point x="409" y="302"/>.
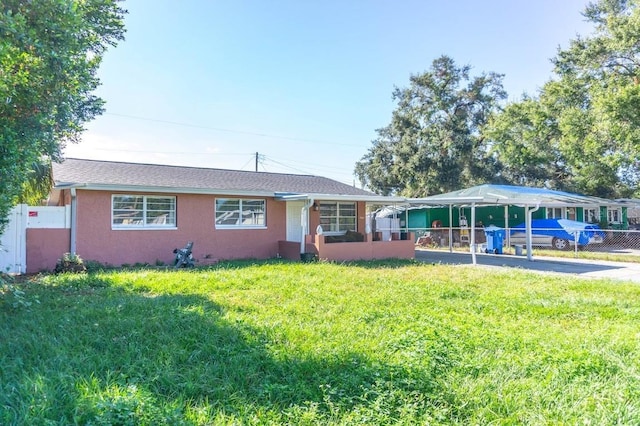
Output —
<point x="257" y="156"/>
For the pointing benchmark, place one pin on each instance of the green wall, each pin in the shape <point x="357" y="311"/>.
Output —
<point x="489" y="215"/>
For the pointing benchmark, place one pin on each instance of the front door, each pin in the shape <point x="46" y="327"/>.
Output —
<point x="294" y="220"/>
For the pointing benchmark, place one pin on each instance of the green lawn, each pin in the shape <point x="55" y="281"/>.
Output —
<point x="567" y="254"/>
<point x="319" y="343"/>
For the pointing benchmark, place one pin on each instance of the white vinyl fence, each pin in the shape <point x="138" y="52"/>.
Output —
<point x="13" y="242"/>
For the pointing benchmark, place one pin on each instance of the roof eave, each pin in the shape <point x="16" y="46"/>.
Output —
<point x="487" y="201"/>
<point x="340" y="197"/>
<point x="213" y="191"/>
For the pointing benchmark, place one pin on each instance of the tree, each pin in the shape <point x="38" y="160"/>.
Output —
<point x="525" y="145"/>
<point x="38" y="184"/>
<point x="586" y="121"/>
<point x="433" y="143"/>
<point x="50" y="51"/>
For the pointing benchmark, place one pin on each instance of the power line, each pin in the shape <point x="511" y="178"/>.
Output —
<point x="220" y="129"/>
<point x="155" y="151"/>
<point x="348" y="181"/>
<point x="262" y="157"/>
<point x="290" y="167"/>
<point x="315" y="166"/>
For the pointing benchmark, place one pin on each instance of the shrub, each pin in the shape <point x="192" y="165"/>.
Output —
<point x="70" y="262"/>
<point x="95" y="266"/>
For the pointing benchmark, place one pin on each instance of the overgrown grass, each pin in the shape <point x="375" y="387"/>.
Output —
<point x="319" y="343"/>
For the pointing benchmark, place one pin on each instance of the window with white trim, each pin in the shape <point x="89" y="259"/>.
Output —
<point x="337" y="217"/>
<point x="592" y="215"/>
<point x="555" y="213"/>
<point x="240" y="213"/>
<point x="143" y="211"/>
<point x="614" y="215"/>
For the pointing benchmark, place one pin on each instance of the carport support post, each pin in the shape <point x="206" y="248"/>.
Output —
<point x="450" y="228"/>
<point x="472" y="241"/>
<point x="527" y="222"/>
<point x="506" y="224"/>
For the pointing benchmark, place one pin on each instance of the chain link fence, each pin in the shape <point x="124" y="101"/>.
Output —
<point x="620" y="245"/>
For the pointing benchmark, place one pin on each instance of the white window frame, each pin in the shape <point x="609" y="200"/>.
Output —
<point x="614" y="215"/>
<point x="337" y="225"/>
<point x="551" y="212"/>
<point x="259" y="219"/>
<point x="595" y="215"/>
<point x="142" y="220"/>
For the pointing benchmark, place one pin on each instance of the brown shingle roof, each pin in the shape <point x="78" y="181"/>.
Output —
<point x="93" y="173"/>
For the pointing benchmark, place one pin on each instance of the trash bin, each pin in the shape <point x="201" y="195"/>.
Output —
<point x="495" y="238"/>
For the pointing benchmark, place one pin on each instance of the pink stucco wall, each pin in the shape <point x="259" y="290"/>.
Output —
<point x="195" y="222"/>
<point x="367" y="250"/>
<point x="45" y="247"/>
<point x="97" y="241"/>
<point x="289" y="250"/>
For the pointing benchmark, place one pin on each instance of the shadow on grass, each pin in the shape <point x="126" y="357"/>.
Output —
<point x="109" y="355"/>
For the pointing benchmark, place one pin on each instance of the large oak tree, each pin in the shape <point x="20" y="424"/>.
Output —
<point x="434" y="142"/>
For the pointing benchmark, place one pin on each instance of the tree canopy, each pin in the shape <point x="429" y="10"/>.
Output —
<point x="50" y="51"/>
<point x="582" y="133"/>
<point x="434" y="142"/>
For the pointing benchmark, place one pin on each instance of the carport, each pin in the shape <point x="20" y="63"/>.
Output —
<point x="531" y="199"/>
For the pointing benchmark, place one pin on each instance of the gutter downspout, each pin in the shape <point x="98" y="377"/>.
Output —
<point x="304" y="221"/>
<point x="528" y="219"/>
<point x="74" y="221"/>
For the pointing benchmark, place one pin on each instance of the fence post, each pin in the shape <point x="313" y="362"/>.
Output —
<point x="575" y="245"/>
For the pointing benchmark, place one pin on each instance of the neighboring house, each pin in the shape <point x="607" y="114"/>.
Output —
<point x="446" y="219"/>
<point x="127" y="213"/>
<point x="631" y="212"/>
<point x="504" y="206"/>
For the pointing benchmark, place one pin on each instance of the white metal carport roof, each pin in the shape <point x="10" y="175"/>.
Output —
<point x="512" y="195"/>
<point x="529" y="198"/>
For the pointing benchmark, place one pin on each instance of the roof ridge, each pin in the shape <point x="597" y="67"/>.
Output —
<point x="191" y="167"/>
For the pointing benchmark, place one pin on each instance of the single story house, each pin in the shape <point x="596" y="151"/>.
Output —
<point x="128" y="213"/>
<point x="631" y="212"/>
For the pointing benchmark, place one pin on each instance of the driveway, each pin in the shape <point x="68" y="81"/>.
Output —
<point x="576" y="267"/>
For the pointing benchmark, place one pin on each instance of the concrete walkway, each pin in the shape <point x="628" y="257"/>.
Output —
<point x="584" y="268"/>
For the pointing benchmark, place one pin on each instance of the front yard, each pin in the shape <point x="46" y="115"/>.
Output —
<point x="320" y="343"/>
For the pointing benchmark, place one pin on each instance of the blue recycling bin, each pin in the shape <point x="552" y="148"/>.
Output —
<point x="495" y="239"/>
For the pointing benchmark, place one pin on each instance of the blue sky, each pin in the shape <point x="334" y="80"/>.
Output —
<point x="305" y="84"/>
